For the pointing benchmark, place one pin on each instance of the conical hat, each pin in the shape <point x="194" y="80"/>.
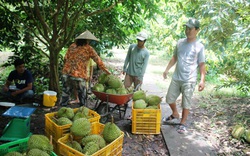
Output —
<point x="87" y="35"/>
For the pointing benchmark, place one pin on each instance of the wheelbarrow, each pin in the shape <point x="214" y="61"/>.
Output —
<point x="103" y="107"/>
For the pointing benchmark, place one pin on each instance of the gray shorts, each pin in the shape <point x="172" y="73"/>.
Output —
<point x="178" y="87"/>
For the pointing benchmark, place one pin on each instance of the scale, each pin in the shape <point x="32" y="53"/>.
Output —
<point x="19" y="126"/>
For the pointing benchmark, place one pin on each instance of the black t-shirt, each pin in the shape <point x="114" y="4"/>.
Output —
<point x="21" y="81"/>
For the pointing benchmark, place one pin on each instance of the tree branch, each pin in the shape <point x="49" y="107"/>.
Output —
<point x="31" y="15"/>
<point x="45" y="27"/>
<point x="106" y="9"/>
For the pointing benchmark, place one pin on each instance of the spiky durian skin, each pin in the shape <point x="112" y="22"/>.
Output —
<point x="84" y="110"/>
<point x="63" y="121"/>
<point x="37" y="152"/>
<point x="111" y="132"/>
<point x="154" y="100"/>
<point x="90" y="148"/>
<point x="81" y="127"/>
<point x="96" y="138"/>
<point x="78" y="115"/>
<point x="77" y="146"/>
<point x="65" y="112"/>
<point x="41" y="142"/>
<point x="13" y="154"/>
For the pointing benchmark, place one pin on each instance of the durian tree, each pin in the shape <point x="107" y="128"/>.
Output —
<point x="38" y="30"/>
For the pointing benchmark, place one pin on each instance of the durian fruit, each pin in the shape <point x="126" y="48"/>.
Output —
<point x="111" y="91"/>
<point x="78" y="115"/>
<point x="140" y="104"/>
<point x="152" y="100"/>
<point x="114" y="82"/>
<point x="74" y="144"/>
<point x="148" y="97"/>
<point x="102" y="79"/>
<point x="247" y="135"/>
<point x="122" y="91"/>
<point x="90" y="148"/>
<point x="99" y="87"/>
<point x="40" y="142"/>
<point x="13" y="154"/>
<point x="111" y="131"/>
<point x="37" y="152"/>
<point x="65" y="112"/>
<point x="95" y="138"/>
<point x="83" y="110"/>
<point x="152" y="107"/>
<point x="238" y="131"/>
<point x="63" y="121"/>
<point x="81" y="127"/>
<point x="140" y="94"/>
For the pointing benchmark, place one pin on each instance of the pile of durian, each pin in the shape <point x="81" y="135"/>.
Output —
<point x="66" y="115"/>
<point x="143" y="101"/>
<point x="38" y="145"/>
<point x="111" y="84"/>
<point x="90" y="143"/>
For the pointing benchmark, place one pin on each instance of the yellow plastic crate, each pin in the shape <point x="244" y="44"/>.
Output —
<point x="112" y="149"/>
<point x="146" y="121"/>
<point x="56" y="131"/>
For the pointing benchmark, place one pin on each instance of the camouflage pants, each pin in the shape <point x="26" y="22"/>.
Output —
<point x="69" y="84"/>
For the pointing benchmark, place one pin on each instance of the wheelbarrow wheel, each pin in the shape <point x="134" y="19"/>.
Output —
<point x="103" y="110"/>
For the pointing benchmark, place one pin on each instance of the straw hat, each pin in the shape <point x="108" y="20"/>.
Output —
<point x="87" y="35"/>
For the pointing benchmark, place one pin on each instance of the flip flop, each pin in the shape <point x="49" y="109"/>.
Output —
<point x="182" y="129"/>
<point x="129" y="117"/>
<point x="74" y="102"/>
<point x="171" y="120"/>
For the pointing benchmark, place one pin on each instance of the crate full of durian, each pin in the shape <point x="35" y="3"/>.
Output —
<point x="95" y="139"/>
<point x="146" y="113"/>
<point x="35" y="144"/>
<point x="57" y="124"/>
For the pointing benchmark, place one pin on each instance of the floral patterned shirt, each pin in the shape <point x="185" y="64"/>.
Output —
<point x="77" y="59"/>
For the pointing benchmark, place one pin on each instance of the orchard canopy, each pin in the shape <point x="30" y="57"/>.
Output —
<point x="40" y="30"/>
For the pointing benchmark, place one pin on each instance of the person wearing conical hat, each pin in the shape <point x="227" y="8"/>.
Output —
<point x="75" y="69"/>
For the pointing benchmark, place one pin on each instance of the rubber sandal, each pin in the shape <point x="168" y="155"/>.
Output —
<point x="182" y="129"/>
<point x="74" y="102"/>
<point x="171" y="120"/>
<point x="129" y="117"/>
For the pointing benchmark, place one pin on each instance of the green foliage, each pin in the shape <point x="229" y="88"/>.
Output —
<point x="46" y="27"/>
<point x="226" y="26"/>
<point x="224" y="31"/>
<point x="36" y="30"/>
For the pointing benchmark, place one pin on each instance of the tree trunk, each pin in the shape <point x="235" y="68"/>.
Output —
<point x="54" y="74"/>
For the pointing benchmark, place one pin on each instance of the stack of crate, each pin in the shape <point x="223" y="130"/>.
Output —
<point x="60" y="135"/>
<point x="56" y="132"/>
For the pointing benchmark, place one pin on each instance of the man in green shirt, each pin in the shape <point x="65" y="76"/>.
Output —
<point x="136" y="61"/>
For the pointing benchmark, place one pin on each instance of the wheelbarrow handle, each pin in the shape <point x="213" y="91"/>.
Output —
<point x="137" y="87"/>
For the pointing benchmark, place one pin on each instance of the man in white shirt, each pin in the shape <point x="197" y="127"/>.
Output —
<point x="188" y="56"/>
